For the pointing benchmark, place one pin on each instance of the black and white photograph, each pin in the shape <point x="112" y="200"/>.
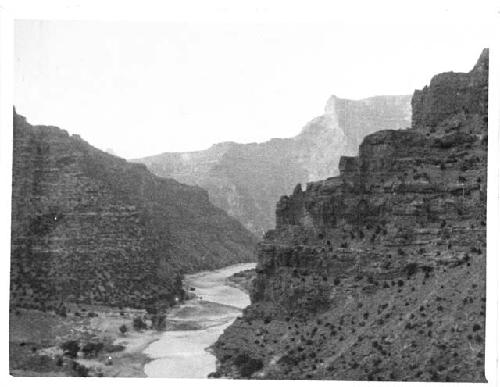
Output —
<point x="251" y="195"/>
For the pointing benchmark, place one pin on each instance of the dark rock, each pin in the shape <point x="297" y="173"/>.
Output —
<point x="92" y="228"/>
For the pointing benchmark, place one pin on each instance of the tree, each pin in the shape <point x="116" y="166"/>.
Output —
<point x="139" y="324"/>
<point x="92" y="349"/>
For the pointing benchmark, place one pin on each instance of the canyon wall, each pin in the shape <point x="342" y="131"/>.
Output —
<point x="246" y="179"/>
<point x="379" y="273"/>
<point x="90" y="227"/>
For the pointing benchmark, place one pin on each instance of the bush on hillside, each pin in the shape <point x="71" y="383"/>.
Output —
<point x="71" y="348"/>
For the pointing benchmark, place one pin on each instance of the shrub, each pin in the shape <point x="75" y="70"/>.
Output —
<point x="92" y="349"/>
<point x="411" y="269"/>
<point x="79" y="370"/>
<point x="123" y="329"/>
<point x="61" y="311"/>
<point x="247" y="365"/>
<point x="151" y="309"/>
<point x="59" y="361"/>
<point x="70" y="348"/>
<point x="139" y="324"/>
<point x="114" y="348"/>
<point x="159" y="322"/>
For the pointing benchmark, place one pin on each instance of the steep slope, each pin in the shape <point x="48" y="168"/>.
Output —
<point x="90" y="227"/>
<point x="246" y="179"/>
<point x="379" y="273"/>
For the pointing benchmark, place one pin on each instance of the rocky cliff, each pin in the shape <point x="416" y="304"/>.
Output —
<point x="379" y="273"/>
<point x="246" y="179"/>
<point x="92" y="228"/>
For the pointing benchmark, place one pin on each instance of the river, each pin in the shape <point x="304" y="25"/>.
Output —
<point x="196" y="325"/>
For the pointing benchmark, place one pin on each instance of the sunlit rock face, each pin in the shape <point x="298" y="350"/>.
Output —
<point x="379" y="273"/>
<point x="246" y="179"/>
<point x="92" y="228"/>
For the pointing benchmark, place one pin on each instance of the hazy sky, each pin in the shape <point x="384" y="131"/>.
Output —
<point x="145" y="88"/>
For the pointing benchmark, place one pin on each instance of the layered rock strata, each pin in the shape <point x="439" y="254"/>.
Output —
<point x="379" y="273"/>
<point x="246" y="179"/>
<point x="89" y="227"/>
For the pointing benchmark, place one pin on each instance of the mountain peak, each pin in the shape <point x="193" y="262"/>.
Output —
<point x="246" y="179"/>
<point x="331" y="104"/>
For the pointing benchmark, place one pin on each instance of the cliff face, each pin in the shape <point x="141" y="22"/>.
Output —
<point x="90" y="227"/>
<point x="246" y="179"/>
<point x="379" y="273"/>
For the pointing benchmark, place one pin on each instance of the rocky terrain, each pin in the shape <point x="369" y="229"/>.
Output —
<point x="246" y="179"/>
<point x="242" y="280"/>
<point x="91" y="228"/>
<point x="379" y="273"/>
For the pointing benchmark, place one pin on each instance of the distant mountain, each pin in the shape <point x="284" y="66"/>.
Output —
<point x="90" y="227"/>
<point x="246" y="179"/>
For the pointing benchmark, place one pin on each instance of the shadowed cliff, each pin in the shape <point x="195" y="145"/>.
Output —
<point x="90" y="227"/>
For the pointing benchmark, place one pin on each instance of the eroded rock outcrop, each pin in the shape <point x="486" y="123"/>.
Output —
<point x="90" y="227"/>
<point x="379" y="273"/>
<point x="246" y="179"/>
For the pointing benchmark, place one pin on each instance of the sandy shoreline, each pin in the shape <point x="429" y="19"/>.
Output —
<point x="184" y="349"/>
<point x="36" y="337"/>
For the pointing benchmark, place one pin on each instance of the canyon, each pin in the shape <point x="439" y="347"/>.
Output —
<point x="182" y="351"/>
<point x="245" y="180"/>
<point x="379" y="273"/>
<point x="91" y="228"/>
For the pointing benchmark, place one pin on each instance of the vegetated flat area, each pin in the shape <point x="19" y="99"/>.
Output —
<point x="35" y="340"/>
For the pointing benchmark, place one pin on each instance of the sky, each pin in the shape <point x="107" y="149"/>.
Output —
<point x="143" y="88"/>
